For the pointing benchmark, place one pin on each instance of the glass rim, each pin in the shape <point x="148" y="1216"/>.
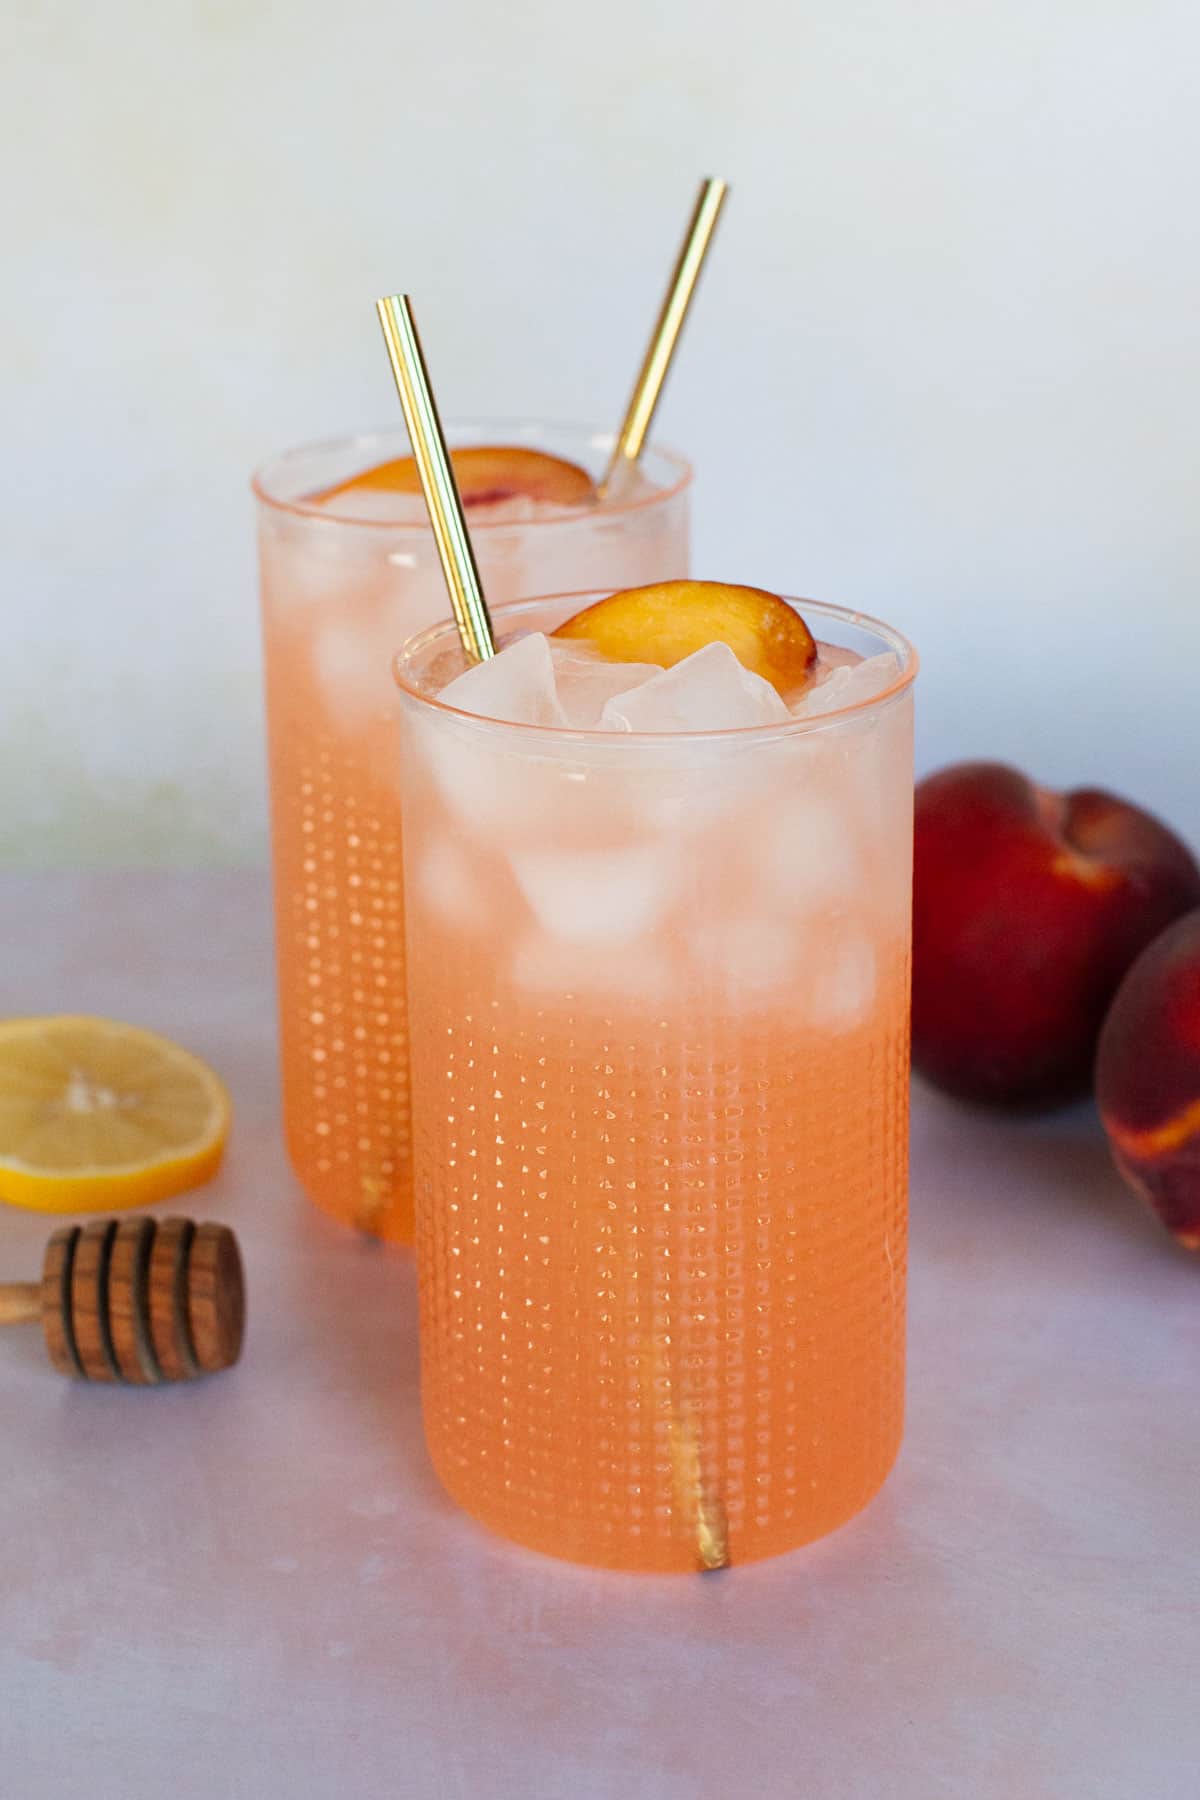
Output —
<point x="261" y="479"/>
<point x="891" y="639"/>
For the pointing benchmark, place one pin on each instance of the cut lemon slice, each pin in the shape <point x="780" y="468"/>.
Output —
<point x="669" y="620"/>
<point x="95" y="1115"/>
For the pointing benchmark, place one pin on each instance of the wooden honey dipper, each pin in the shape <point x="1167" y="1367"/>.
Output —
<point x="136" y="1300"/>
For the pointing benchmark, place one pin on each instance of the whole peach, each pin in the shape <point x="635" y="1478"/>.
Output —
<point x="1148" y="1078"/>
<point x="1028" y="908"/>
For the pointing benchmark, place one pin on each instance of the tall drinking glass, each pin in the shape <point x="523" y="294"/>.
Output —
<point x="340" y="594"/>
<point x="659" y="1002"/>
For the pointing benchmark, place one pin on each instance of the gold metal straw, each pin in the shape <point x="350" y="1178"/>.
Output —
<point x="437" y="476"/>
<point x="669" y="324"/>
<point x="702" y="1515"/>
<point x="697" y="1509"/>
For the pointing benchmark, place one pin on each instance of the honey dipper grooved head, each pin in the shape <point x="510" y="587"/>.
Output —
<point x="143" y="1301"/>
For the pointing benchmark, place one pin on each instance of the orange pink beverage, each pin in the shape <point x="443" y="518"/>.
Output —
<point x="659" y="927"/>
<point x="349" y="571"/>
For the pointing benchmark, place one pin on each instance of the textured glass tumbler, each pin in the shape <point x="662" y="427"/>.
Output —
<point x="659" y="1004"/>
<point x="339" y="597"/>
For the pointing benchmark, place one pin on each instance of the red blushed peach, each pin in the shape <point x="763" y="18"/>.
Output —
<point x="1028" y="908"/>
<point x="1148" y="1078"/>
<point x="485" y="473"/>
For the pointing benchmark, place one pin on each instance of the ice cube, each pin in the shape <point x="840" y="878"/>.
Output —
<point x="516" y="685"/>
<point x="639" y="978"/>
<point x="707" y="691"/>
<point x="847" y="685"/>
<point x="842" y="985"/>
<point x="831" y="657"/>
<point x="352" y="673"/>
<point x="376" y="506"/>
<point x="446" y="887"/>
<point x="598" y="897"/>
<point x="586" y="680"/>
<point x="872" y="675"/>
<point x="522" y="790"/>
<point x="698" y="787"/>
<point x="824" y="694"/>
<point x="807" y="852"/>
<point x="499" y="796"/>
<point x="752" y="960"/>
<point x="519" y="509"/>
<point x="305" y="567"/>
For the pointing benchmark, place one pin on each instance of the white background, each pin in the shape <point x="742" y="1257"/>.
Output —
<point x="944" y="365"/>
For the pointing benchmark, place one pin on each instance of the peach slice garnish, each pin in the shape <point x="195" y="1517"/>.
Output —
<point x="485" y="473"/>
<point x="667" y="621"/>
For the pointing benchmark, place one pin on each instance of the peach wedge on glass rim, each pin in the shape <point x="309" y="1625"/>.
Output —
<point x="669" y="620"/>
<point x="486" y="474"/>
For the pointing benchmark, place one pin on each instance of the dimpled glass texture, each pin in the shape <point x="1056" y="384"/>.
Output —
<point x="339" y="597"/>
<point x="659" y="1001"/>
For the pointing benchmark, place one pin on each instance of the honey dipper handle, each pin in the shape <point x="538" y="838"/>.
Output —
<point x="20" y="1302"/>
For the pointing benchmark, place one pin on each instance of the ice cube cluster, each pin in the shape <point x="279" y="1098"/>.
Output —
<point x="375" y="506"/>
<point x="385" y="506"/>
<point x="752" y="872"/>
<point x="541" y="681"/>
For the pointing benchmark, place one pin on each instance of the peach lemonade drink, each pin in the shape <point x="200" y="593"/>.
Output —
<point x="349" y="571"/>
<point x="659" y="921"/>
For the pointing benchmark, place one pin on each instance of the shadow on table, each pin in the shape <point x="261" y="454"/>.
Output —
<point x="352" y="1321"/>
<point x="975" y="1167"/>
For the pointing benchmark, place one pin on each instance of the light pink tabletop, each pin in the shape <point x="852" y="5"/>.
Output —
<point x="255" y="1588"/>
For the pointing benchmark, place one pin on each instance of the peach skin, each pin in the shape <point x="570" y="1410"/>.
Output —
<point x="1028" y="908"/>
<point x="1148" y="1078"/>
